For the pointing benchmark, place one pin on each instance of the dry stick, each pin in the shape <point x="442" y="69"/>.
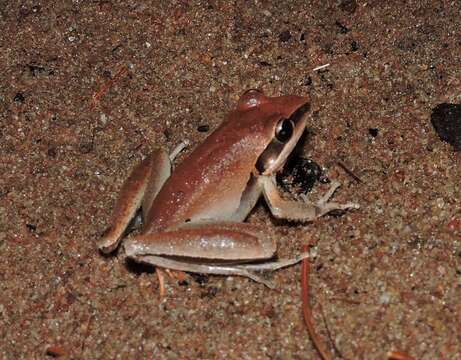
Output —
<point x="398" y="355"/>
<point x="104" y="88"/>
<point x="87" y="334"/>
<point x="349" y="172"/>
<point x="307" y="312"/>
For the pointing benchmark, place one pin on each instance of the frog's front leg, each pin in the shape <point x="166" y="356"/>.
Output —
<point x="139" y="189"/>
<point x="298" y="210"/>
<point x="210" y="247"/>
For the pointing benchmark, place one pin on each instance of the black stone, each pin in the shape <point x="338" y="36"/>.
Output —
<point x="373" y="132"/>
<point x="446" y="119"/>
<point x="19" y="97"/>
<point x="203" y="128"/>
<point x="285" y="36"/>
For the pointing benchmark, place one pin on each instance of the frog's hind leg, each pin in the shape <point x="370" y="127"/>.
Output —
<point x="139" y="189"/>
<point x="210" y="247"/>
<point x="166" y="263"/>
<point x="246" y="270"/>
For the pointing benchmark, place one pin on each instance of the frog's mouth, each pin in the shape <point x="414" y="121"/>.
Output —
<point x="276" y="153"/>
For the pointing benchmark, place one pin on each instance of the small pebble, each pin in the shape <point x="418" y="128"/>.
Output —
<point x="385" y="298"/>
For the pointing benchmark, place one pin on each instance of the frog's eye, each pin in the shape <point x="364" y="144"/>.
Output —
<point x="284" y="130"/>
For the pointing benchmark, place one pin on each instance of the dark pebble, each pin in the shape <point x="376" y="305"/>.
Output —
<point x="183" y="283"/>
<point x="354" y="45"/>
<point x="342" y="29"/>
<point x="200" y="279"/>
<point x="210" y="292"/>
<point x="348" y="6"/>
<point x="36" y="70"/>
<point x="19" y="97"/>
<point x="86" y="147"/>
<point x="265" y="63"/>
<point x="203" y="128"/>
<point x="307" y="81"/>
<point x="31" y="227"/>
<point x="285" y="36"/>
<point x="373" y="132"/>
<point x="446" y="119"/>
<point x="299" y="175"/>
<point x="167" y="133"/>
<point x="52" y="152"/>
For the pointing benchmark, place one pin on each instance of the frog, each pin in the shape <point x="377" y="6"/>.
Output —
<point x="194" y="215"/>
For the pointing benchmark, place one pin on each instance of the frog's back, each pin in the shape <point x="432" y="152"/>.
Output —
<point x="209" y="183"/>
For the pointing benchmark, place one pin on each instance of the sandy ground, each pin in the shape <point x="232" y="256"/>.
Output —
<point x="385" y="277"/>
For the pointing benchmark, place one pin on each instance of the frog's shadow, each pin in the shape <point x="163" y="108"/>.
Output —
<point x="138" y="268"/>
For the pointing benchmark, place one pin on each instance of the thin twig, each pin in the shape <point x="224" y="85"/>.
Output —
<point x="105" y="87"/>
<point x="320" y="67"/>
<point x="349" y="172"/>
<point x="307" y="311"/>
<point x="87" y="334"/>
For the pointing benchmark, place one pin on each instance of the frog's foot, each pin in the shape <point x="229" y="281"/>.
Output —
<point x="274" y="265"/>
<point x="324" y="206"/>
<point x="178" y="149"/>
<point x="174" y="275"/>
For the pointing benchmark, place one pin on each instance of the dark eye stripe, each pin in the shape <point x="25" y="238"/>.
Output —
<point x="298" y="114"/>
<point x="269" y="155"/>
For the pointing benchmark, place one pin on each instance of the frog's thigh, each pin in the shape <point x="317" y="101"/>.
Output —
<point x="213" y="241"/>
<point x="298" y="210"/>
<point x="140" y="188"/>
